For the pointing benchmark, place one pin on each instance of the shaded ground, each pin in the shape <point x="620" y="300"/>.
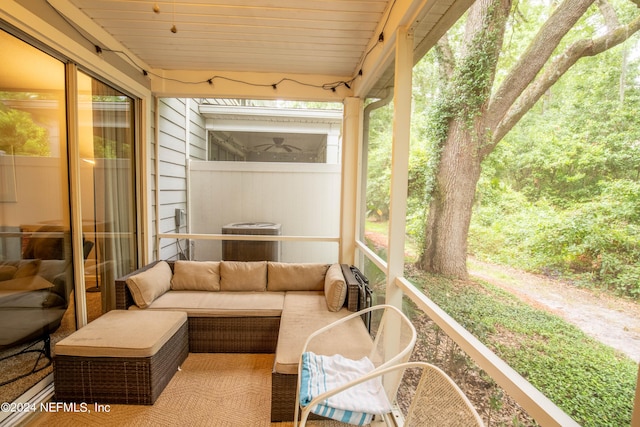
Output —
<point x="612" y="321"/>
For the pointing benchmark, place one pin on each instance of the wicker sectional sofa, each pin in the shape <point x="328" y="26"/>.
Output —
<point x="253" y="307"/>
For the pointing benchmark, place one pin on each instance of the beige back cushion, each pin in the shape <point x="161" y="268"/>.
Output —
<point x="150" y="284"/>
<point x="243" y="276"/>
<point x="335" y="288"/>
<point x="283" y="276"/>
<point x="196" y="276"/>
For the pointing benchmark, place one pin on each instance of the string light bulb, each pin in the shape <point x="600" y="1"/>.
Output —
<point x="173" y="27"/>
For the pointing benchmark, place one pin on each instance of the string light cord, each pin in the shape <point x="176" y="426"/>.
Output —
<point x="379" y="41"/>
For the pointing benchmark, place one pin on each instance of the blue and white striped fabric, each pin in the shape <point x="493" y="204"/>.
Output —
<point x="356" y="405"/>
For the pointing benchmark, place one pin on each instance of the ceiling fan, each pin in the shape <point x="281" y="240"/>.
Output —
<point x="278" y="143"/>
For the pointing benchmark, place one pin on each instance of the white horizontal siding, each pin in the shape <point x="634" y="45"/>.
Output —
<point x="172" y="179"/>
<point x="197" y="133"/>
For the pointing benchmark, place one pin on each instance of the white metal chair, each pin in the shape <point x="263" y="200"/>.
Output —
<point x="392" y="344"/>
<point x="437" y="402"/>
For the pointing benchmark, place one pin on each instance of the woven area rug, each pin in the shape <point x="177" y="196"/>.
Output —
<point x="226" y="390"/>
<point x="209" y="390"/>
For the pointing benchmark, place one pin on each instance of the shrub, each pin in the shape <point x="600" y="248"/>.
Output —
<point x="597" y="243"/>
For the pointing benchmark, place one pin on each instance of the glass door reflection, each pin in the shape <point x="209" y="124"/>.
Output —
<point x="106" y="141"/>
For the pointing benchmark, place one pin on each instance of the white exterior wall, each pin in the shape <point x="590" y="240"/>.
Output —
<point x="303" y="198"/>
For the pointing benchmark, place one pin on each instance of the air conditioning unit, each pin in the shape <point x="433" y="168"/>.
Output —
<point x="247" y="250"/>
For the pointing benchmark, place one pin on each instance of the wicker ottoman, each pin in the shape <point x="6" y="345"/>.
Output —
<point x="124" y="356"/>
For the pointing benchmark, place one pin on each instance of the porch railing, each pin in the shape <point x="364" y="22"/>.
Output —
<point x="537" y="405"/>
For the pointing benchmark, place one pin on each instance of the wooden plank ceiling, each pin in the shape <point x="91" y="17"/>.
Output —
<point x="327" y="38"/>
<point x="280" y="36"/>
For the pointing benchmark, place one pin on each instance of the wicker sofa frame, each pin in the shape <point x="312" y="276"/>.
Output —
<point x="248" y="335"/>
<point x="216" y="334"/>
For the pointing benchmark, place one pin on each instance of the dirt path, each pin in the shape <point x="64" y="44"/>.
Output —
<point x="612" y="321"/>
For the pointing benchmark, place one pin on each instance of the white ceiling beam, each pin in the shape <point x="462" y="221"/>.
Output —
<point x="247" y="85"/>
<point x="403" y="13"/>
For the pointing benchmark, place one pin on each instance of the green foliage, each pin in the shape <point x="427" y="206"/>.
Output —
<point x="560" y="193"/>
<point x="596" y="243"/>
<point x="379" y="163"/>
<point x="588" y="380"/>
<point x="110" y="149"/>
<point x="20" y="135"/>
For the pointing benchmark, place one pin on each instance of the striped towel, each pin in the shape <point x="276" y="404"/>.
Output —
<point x="356" y="405"/>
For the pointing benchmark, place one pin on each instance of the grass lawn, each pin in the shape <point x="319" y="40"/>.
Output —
<point x="590" y="381"/>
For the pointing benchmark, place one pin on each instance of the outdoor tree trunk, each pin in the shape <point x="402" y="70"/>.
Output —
<point x="470" y="122"/>
<point x="451" y="204"/>
<point x="461" y="115"/>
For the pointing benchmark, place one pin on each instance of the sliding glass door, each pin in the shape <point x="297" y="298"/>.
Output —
<point x="106" y="141"/>
<point x="38" y="289"/>
<point x="36" y="271"/>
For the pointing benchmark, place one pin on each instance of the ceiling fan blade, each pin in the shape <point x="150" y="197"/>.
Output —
<point x="292" y="146"/>
<point x="286" y="147"/>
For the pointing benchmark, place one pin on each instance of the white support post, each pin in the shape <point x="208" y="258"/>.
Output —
<point x="351" y="140"/>
<point x="399" y="163"/>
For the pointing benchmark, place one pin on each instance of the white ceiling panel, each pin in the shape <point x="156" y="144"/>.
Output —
<point x="288" y="36"/>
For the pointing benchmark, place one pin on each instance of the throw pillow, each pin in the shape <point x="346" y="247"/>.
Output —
<point x="27" y="268"/>
<point x="243" y="276"/>
<point x="335" y="288"/>
<point x="145" y="287"/>
<point x="196" y="276"/>
<point x="7" y="271"/>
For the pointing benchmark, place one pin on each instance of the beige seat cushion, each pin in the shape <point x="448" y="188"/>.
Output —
<point x="306" y="312"/>
<point x="282" y="276"/>
<point x="196" y="276"/>
<point x="123" y="333"/>
<point x="249" y="276"/>
<point x="221" y="304"/>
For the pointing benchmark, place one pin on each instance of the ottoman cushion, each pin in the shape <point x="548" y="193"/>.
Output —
<point x="122" y="333"/>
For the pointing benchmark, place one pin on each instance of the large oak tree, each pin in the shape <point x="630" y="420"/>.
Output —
<point x="474" y="112"/>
